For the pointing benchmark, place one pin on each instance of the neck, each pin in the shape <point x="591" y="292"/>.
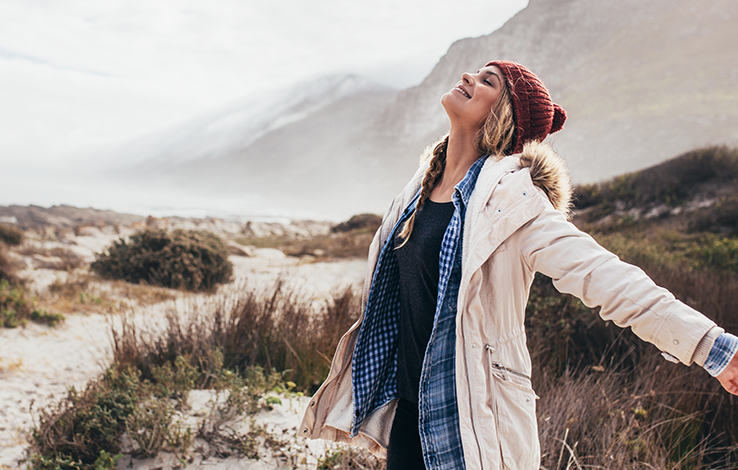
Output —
<point x="461" y="154"/>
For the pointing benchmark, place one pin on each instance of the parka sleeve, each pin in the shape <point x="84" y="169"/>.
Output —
<point x="579" y="266"/>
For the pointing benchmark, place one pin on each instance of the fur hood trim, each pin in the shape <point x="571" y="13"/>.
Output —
<point x="548" y="172"/>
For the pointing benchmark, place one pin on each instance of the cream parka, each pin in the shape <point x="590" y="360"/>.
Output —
<point x="515" y="226"/>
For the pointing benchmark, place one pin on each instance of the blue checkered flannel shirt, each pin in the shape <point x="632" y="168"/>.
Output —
<point x="374" y="372"/>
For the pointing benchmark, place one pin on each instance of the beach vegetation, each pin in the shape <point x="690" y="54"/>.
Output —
<point x="348" y="239"/>
<point x="11" y="235"/>
<point x="193" y="260"/>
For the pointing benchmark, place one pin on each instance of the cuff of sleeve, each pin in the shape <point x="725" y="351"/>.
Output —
<point x="721" y="354"/>
<point x="705" y="345"/>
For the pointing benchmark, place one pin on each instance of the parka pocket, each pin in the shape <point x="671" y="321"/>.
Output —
<point x="514" y="404"/>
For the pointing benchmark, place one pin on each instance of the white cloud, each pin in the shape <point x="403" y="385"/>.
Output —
<point x="75" y="74"/>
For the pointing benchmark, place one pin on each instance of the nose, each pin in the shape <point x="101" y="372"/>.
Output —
<point x="466" y="77"/>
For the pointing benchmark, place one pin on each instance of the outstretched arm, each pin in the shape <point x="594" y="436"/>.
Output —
<point x="581" y="267"/>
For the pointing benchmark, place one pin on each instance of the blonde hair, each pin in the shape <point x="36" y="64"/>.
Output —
<point x="495" y="139"/>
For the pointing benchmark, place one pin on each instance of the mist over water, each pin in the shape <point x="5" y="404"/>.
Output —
<point x="47" y="189"/>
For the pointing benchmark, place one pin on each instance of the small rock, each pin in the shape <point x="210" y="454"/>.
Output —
<point x="47" y="262"/>
<point x="239" y="250"/>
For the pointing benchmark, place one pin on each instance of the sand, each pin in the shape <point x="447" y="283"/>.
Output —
<point x="38" y="364"/>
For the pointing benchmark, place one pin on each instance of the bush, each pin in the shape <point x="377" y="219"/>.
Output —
<point x="84" y="430"/>
<point x="194" y="260"/>
<point x="10" y="235"/>
<point x="717" y="253"/>
<point x="14" y="307"/>
<point x="365" y="222"/>
<point x="86" y="425"/>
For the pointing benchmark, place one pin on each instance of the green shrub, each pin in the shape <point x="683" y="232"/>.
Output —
<point x="10" y="235"/>
<point x="193" y="260"/>
<point x="86" y="425"/>
<point x="14" y="307"/>
<point x="42" y="316"/>
<point x="83" y="431"/>
<point x="717" y="253"/>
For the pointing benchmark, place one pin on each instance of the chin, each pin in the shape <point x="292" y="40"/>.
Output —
<point x="447" y="102"/>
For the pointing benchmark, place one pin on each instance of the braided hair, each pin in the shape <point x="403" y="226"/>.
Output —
<point x="495" y="138"/>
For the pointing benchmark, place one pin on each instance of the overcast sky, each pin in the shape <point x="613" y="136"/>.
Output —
<point x="76" y="75"/>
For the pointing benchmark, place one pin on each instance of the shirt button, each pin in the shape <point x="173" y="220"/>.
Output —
<point x="676" y="341"/>
<point x="474" y="345"/>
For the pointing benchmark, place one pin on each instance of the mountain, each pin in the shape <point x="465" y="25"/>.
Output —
<point x="641" y="81"/>
<point x="228" y="130"/>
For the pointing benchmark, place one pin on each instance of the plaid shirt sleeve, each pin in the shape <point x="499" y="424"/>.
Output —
<point x="721" y="354"/>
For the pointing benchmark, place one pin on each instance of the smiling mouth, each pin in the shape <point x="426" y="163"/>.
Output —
<point x="462" y="91"/>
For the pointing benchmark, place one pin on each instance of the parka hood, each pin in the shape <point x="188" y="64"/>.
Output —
<point x="548" y="172"/>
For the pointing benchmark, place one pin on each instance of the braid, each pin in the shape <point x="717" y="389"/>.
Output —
<point x="430" y="180"/>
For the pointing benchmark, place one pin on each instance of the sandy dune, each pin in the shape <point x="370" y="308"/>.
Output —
<point x="38" y="364"/>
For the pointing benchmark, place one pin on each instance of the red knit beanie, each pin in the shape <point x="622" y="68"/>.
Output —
<point x="534" y="113"/>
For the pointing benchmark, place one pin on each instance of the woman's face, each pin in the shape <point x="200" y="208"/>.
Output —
<point x="472" y="99"/>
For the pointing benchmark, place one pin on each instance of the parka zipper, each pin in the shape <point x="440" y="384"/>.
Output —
<point x="502" y="368"/>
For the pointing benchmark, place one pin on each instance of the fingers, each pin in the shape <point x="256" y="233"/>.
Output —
<point x="730" y="384"/>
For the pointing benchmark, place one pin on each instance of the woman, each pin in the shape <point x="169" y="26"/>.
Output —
<point x="436" y="373"/>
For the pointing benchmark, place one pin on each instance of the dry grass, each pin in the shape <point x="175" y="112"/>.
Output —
<point x="277" y="332"/>
<point x="661" y="416"/>
<point x="59" y="257"/>
<point x="350" y="459"/>
<point x="8" y="266"/>
<point x="10" y="235"/>
<point x="81" y="292"/>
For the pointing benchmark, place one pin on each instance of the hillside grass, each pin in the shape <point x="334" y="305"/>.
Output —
<point x="671" y="183"/>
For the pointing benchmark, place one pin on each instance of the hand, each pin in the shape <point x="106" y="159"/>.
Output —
<point x="729" y="377"/>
